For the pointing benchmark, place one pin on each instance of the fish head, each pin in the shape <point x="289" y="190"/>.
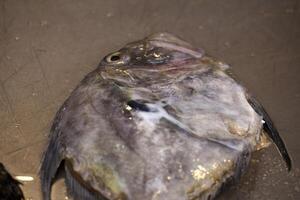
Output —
<point x="160" y="52"/>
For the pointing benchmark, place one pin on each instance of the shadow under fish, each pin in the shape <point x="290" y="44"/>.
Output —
<point x="157" y="119"/>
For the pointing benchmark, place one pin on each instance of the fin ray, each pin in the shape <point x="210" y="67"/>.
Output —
<point x="271" y="130"/>
<point x="50" y="164"/>
<point x="76" y="187"/>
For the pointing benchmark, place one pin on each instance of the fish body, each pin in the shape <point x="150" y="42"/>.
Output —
<point x="157" y="119"/>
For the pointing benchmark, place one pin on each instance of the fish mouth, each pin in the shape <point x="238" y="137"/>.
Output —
<point x="168" y="41"/>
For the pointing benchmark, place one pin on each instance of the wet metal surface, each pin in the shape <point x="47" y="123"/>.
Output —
<point x="46" y="48"/>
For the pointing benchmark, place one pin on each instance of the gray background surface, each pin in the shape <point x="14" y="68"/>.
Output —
<point x="46" y="48"/>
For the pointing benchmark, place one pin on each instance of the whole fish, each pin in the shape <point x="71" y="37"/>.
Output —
<point x="9" y="187"/>
<point x="156" y="120"/>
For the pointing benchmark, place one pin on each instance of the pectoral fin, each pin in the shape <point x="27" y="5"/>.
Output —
<point x="77" y="187"/>
<point x="50" y="164"/>
<point x="271" y="130"/>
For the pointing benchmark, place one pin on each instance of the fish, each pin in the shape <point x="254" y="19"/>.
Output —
<point x="158" y="119"/>
<point x="9" y="187"/>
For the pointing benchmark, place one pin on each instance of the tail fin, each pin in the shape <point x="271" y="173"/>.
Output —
<point x="271" y="130"/>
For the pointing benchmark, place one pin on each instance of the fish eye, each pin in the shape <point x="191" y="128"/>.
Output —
<point x="113" y="57"/>
<point x="116" y="58"/>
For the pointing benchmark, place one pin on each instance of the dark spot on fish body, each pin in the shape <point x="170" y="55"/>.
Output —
<point x="138" y="106"/>
<point x="119" y="121"/>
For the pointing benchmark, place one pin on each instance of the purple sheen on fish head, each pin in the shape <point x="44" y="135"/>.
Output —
<point x="160" y="49"/>
<point x="171" y="42"/>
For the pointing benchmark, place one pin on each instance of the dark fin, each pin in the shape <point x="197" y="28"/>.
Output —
<point x="271" y="130"/>
<point x="9" y="187"/>
<point x="50" y="164"/>
<point x="135" y="105"/>
<point x="77" y="189"/>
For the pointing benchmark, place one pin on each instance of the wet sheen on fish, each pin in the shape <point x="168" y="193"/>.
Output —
<point x="156" y="120"/>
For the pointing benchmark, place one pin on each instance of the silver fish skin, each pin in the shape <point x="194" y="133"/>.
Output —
<point x="156" y="120"/>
